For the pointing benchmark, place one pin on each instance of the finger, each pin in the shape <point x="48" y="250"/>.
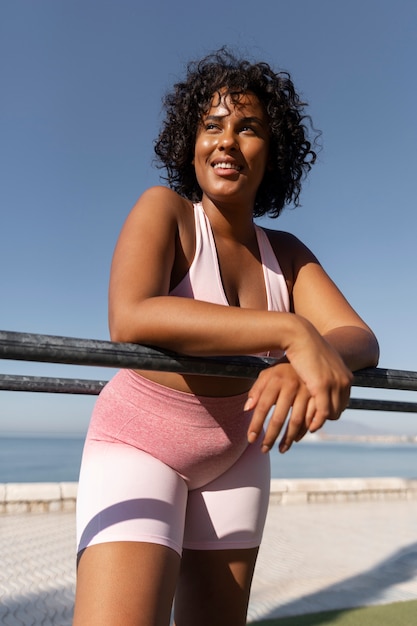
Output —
<point x="262" y="397"/>
<point x="278" y="418"/>
<point x="296" y="427"/>
<point x="340" y="397"/>
<point x="302" y="433"/>
<point x="284" y="447"/>
<point x="323" y="409"/>
<point x="262" y="409"/>
<point x="254" y="393"/>
<point x="310" y="412"/>
<point x="330" y="406"/>
<point x="341" y="402"/>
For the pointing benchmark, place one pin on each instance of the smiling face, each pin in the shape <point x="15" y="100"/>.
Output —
<point x="231" y="149"/>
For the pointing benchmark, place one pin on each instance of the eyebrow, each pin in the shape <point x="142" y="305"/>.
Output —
<point x="218" y="118"/>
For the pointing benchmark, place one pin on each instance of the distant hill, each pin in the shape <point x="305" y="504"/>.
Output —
<point x="350" y="428"/>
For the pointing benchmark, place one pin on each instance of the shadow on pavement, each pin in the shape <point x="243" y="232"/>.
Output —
<point x="369" y="587"/>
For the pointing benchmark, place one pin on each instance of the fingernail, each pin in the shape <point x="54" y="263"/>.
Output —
<point x="252" y="437"/>
<point x="283" y="448"/>
<point x="248" y="404"/>
<point x="265" y="448"/>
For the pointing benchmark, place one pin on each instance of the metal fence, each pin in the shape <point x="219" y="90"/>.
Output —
<point x="91" y="352"/>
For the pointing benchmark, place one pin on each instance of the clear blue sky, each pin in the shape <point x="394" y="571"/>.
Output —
<point x="81" y="88"/>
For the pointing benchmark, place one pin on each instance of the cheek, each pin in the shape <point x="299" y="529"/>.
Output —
<point x="203" y="149"/>
<point x="263" y="160"/>
<point x="198" y="164"/>
<point x="203" y="146"/>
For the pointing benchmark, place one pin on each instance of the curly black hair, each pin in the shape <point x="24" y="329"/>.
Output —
<point x="291" y="155"/>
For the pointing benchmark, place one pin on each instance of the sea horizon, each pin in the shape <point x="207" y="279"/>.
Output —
<point x="52" y="457"/>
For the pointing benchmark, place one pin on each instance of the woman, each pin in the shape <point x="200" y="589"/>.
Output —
<point x="174" y="483"/>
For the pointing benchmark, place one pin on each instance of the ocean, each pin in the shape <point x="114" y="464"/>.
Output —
<point x="57" y="459"/>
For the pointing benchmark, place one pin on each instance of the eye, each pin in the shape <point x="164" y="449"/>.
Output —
<point x="248" y="129"/>
<point x="210" y="126"/>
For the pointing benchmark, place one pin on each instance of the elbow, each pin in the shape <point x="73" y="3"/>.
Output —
<point x="132" y="325"/>
<point x="371" y="351"/>
<point x="120" y="330"/>
<point x="376" y="353"/>
<point x="118" y="334"/>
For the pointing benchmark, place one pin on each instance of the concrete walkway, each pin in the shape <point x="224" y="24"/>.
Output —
<point x="315" y="557"/>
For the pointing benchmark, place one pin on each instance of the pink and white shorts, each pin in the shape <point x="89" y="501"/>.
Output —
<point x="168" y="467"/>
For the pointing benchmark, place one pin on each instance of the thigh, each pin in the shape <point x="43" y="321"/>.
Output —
<point x="130" y="524"/>
<point x="224" y="527"/>
<point x="127" y="583"/>
<point x="229" y="512"/>
<point x="125" y="494"/>
<point x="214" y="587"/>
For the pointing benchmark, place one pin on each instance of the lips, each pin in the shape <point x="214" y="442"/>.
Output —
<point x="226" y="165"/>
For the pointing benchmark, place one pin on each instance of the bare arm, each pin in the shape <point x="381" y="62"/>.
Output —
<point x="316" y="382"/>
<point x="317" y="299"/>
<point x="141" y="311"/>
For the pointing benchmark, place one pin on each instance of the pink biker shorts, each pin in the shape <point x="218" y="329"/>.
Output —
<point x="168" y="467"/>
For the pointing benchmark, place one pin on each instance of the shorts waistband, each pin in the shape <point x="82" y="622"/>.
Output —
<point x="140" y="384"/>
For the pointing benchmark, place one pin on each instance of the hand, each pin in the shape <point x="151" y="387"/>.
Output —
<point x="323" y="371"/>
<point x="315" y="386"/>
<point x="281" y="388"/>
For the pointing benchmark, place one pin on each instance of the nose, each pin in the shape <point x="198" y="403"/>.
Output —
<point x="228" y="141"/>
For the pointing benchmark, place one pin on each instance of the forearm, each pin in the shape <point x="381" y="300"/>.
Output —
<point x="199" y="328"/>
<point x="357" y="346"/>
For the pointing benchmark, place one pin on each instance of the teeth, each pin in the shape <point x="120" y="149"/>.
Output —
<point x="226" y="166"/>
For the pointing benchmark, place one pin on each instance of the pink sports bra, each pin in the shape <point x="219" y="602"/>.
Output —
<point x="203" y="280"/>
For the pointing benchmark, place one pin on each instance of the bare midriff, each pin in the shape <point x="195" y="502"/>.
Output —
<point x="212" y="386"/>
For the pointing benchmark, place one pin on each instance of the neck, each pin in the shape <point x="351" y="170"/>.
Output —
<point x="229" y="220"/>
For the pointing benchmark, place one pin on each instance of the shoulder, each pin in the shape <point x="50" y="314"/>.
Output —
<point x="291" y="252"/>
<point x="285" y="240"/>
<point x="161" y="217"/>
<point x="163" y="198"/>
<point x="162" y="206"/>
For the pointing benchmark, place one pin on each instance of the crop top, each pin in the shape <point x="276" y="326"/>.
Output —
<point x="203" y="280"/>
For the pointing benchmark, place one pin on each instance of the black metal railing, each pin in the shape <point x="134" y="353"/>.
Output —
<point x="91" y="352"/>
